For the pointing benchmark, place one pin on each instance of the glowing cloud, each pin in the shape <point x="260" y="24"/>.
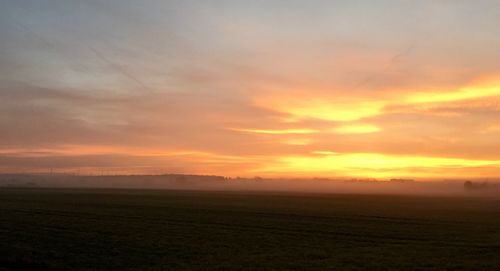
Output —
<point x="298" y="141"/>
<point x="346" y="108"/>
<point x="357" y="129"/>
<point x="465" y="93"/>
<point x="275" y="132"/>
<point x="323" y="108"/>
<point x="372" y="165"/>
<point x="325" y="152"/>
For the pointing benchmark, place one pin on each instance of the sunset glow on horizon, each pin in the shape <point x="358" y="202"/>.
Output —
<point x="252" y="88"/>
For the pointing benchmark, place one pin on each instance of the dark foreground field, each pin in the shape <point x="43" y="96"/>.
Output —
<point x="174" y="230"/>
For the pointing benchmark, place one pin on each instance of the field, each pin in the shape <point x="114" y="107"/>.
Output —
<point x="84" y="229"/>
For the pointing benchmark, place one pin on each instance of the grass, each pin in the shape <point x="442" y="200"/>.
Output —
<point x="64" y="229"/>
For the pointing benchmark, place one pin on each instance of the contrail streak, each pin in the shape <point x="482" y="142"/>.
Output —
<point x="119" y="69"/>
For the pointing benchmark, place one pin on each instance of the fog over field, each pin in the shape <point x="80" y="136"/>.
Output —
<point x="219" y="183"/>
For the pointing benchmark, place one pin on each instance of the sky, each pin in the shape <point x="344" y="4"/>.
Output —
<point x="376" y="89"/>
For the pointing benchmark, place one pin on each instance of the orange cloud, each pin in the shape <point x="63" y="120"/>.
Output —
<point x="275" y="132"/>
<point x="357" y="129"/>
<point x="323" y="107"/>
<point x="347" y="108"/>
<point x="466" y="93"/>
<point x="373" y="165"/>
<point x="298" y="141"/>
